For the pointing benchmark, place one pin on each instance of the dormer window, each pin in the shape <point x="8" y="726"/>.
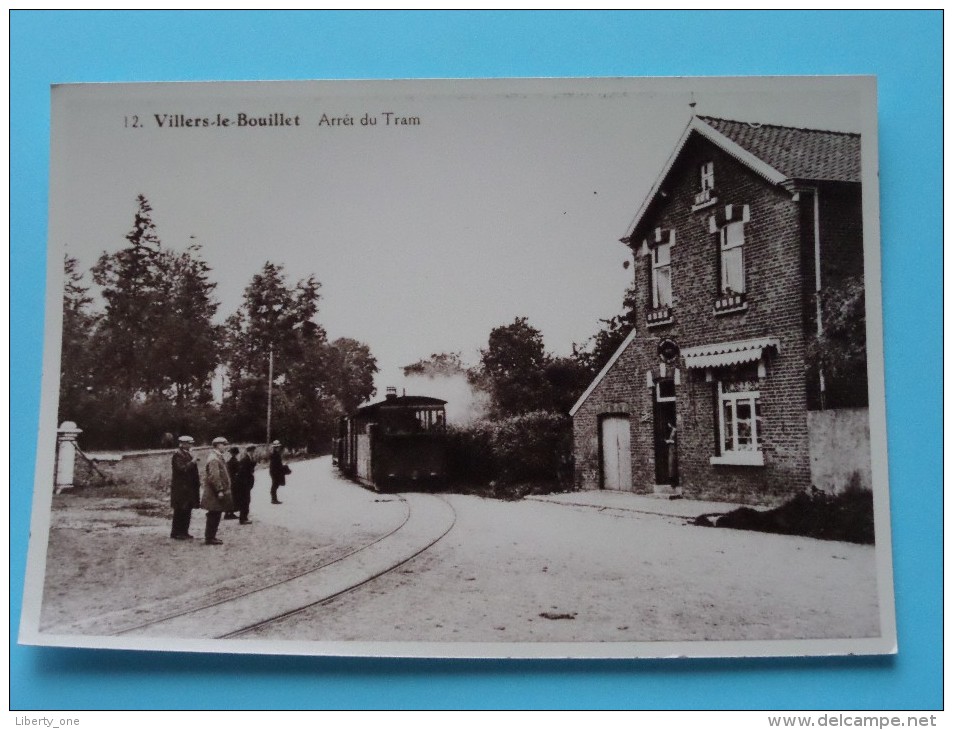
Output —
<point x="706" y="195"/>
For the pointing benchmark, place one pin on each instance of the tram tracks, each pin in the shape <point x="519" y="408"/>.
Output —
<point x="428" y="518"/>
<point x="301" y="609"/>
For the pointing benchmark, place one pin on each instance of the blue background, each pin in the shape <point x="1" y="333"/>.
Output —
<point x="903" y="49"/>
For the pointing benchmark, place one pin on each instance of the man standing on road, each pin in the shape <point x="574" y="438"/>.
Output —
<point x="231" y="463"/>
<point x="245" y="481"/>
<point x="185" y="488"/>
<point x="277" y="470"/>
<point x="217" y="493"/>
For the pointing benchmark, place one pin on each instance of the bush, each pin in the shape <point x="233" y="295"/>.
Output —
<point x="528" y="448"/>
<point x="848" y="516"/>
<point x="470" y="458"/>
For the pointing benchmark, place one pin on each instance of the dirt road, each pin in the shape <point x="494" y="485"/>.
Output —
<point x="533" y="570"/>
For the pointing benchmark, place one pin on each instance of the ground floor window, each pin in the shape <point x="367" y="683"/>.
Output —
<point x="740" y="423"/>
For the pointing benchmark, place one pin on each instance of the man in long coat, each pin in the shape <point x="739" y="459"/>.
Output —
<point x="231" y="463"/>
<point x="245" y="481"/>
<point x="185" y="488"/>
<point x="217" y="491"/>
<point x="277" y="470"/>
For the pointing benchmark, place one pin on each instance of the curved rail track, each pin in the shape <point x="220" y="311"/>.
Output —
<point x="427" y="520"/>
<point x="300" y="609"/>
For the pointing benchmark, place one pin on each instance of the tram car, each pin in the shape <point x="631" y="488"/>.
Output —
<point x="397" y="444"/>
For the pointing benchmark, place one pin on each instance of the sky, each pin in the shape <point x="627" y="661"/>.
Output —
<point x="505" y="199"/>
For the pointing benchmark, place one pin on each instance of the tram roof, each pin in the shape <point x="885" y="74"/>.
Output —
<point x="402" y="401"/>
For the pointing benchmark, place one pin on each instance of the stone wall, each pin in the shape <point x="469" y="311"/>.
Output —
<point x="151" y="468"/>
<point x="840" y="448"/>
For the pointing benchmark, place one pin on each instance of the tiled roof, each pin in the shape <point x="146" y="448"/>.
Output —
<point x="800" y="154"/>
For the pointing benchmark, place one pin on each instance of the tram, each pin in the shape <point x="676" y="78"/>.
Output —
<point x="397" y="444"/>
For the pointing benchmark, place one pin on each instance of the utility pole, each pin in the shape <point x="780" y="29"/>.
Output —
<point x="271" y="378"/>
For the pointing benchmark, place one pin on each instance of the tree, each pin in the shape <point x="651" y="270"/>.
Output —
<point x="275" y="323"/>
<point x="134" y="289"/>
<point x="78" y="361"/>
<point x="840" y="352"/>
<point x="156" y="338"/>
<point x="354" y="372"/>
<point x="567" y="378"/>
<point x="512" y="369"/>
<point x="440" y="364"/>
<point x="155" y="346"/>
<point x="314" y="381"/>
<point x="596" y="352"/>
<point x="273" y="317"/>
<point x="188" y="337"/>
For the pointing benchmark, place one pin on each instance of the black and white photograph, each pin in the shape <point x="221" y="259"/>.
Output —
<point x="530" y="368"/>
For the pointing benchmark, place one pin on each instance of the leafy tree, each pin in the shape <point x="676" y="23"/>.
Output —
<point x="354" y="372"/>
<point x="314" y="381"/>
<point x="274" y="317"/>
<point x="840" y="353"/>
<point x="596" y="352"/>
<point x="512" y="369"/>
<point x="275" y="322"/>
<point x="438" y="364"/>
<point x="568" y="378"/>
<point x="188" y="337"/>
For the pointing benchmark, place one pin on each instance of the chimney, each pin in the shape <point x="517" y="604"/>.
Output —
<point x="391" y="392"/>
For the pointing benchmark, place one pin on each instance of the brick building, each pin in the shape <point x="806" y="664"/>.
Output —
<point x="711" y="393"/>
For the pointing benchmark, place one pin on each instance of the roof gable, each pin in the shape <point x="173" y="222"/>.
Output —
<point x="778" y="154"/>
<point x="602" y="373"/>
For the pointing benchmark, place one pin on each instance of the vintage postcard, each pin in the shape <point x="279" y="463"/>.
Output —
<point x="464" y="368"/>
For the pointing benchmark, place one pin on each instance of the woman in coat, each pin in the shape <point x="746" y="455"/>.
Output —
<point x="217" y="492"/>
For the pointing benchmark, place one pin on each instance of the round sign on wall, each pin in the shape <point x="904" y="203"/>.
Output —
<point x="668" y="350"/>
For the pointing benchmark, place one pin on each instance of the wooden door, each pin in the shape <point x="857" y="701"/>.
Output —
<point x="616" y="454"/>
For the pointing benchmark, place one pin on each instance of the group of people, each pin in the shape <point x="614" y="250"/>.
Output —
<point x="226" y="488"/>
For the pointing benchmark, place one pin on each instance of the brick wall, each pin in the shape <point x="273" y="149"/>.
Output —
<point x="774" y="283"/>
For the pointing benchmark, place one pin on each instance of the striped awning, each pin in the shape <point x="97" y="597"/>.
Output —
<point x="728" y="353"/>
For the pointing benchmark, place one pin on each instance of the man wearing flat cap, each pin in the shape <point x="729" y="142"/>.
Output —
<point x="217" y="492"/>
<point x="185" y="488"/>
<point x="277" y="470"/>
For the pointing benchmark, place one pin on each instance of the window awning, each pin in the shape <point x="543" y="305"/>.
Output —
<point x="728" y="353"/>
